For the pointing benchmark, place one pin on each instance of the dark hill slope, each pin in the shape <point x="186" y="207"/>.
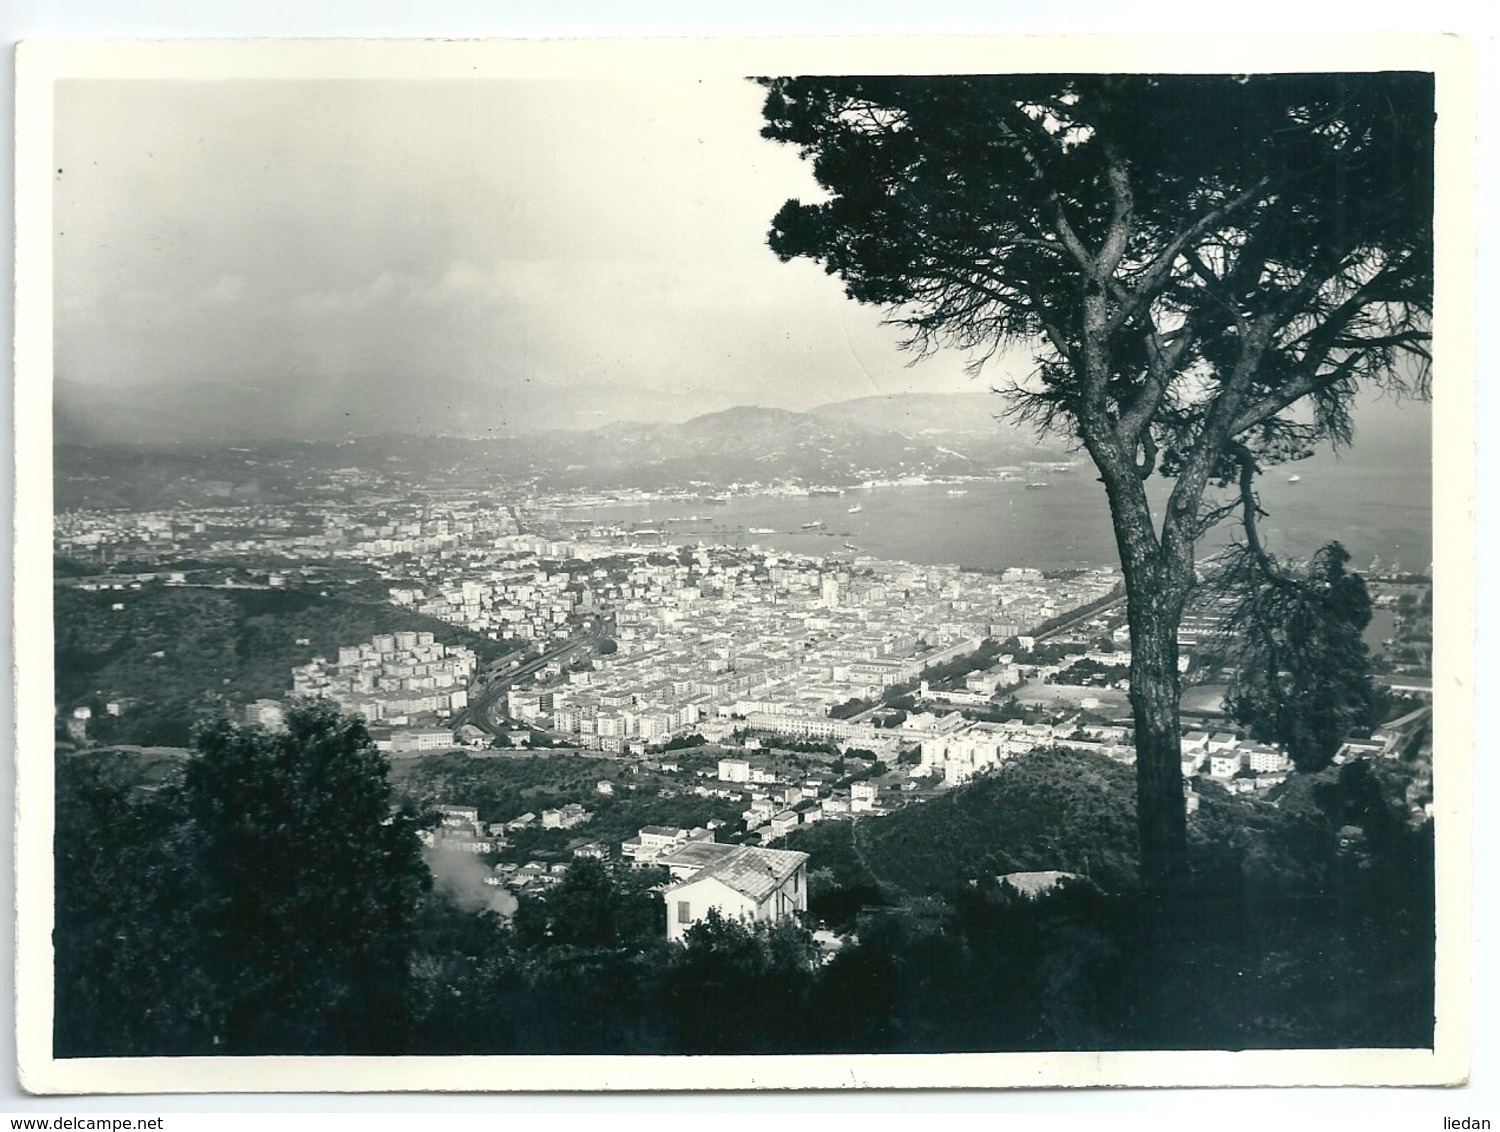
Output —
<point x="1050" y="809"/>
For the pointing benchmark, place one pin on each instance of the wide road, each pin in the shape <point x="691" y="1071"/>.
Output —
<point x="483" y="698"/>
<point x="1077" y="619"/>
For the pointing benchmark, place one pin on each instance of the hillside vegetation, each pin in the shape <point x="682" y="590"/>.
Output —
<point x="506" y="787"/>
<point x="1051" y="809"/>
<point x="235" y="642"/>
<point x="1311" y="922"/>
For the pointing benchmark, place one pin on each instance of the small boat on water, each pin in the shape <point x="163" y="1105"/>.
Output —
<point x="815" y="525"/>
<point x="957" y="491"/>
<point x="1037" y="486"/>
<point x="850" y="546"/>
<point x="762" y="530"/>
<point x="1294" y="479"/>
<point x="856" y="509"/>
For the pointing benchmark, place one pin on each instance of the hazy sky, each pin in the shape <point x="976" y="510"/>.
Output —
<point x="494" y="232"/>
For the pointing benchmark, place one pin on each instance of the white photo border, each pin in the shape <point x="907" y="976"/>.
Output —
<point x="41" y="64"/>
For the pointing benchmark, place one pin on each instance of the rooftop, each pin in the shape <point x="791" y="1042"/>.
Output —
<point x="753" y="871"/>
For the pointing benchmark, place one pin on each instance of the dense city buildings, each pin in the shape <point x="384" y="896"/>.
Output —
<point x="394" y="679"/>
<point x="615" y="641"/>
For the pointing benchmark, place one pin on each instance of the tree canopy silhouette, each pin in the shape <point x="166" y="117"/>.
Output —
<point x="258" y="898"/>
<point x="311" y="882"/>
<point x="1207" y="268"/>
<point x="1295" y="638"/>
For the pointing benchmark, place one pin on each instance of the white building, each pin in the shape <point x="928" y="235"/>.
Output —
<point x="748" y="884"/>
<point x="652" y="841"/>
<point x="1264" y="759"/>
<point x="412" y="739"/>
<point x="1224" y="764"/>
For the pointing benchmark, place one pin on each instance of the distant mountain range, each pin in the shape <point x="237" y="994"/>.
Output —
<point x="298" y="409"/>
<point x="151" y="446"/>
<point x="871" y="438"/>
<point x="746" y="444"/>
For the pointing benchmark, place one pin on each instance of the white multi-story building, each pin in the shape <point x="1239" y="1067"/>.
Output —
<point x="1224" y="764"/>
<point x="1264" y="759"/>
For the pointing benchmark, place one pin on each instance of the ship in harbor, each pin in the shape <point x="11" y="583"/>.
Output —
<point x="814" y="525"/>
<point x="856" y="509"/>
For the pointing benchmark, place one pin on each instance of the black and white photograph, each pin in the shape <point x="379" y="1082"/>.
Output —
<point x="609" y="566"/>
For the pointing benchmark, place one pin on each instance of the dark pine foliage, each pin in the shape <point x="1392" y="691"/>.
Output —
<point x="1207" y="269"/>
<point x="261" y="899"/>
<point x="1295" y="640"/>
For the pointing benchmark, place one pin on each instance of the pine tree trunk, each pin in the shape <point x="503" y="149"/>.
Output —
<point x="1158" y="576"/>
<point x="1155" y="691"/>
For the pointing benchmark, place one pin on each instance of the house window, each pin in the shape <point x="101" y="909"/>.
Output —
<point x="684" y="912"/>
